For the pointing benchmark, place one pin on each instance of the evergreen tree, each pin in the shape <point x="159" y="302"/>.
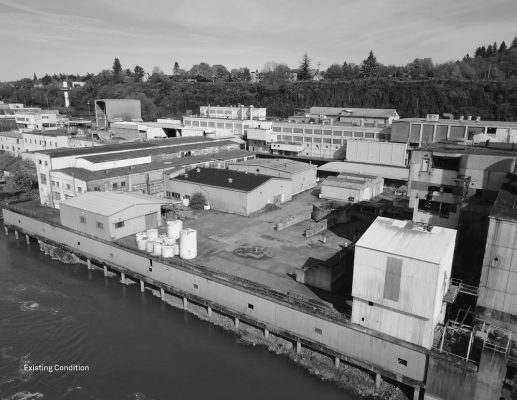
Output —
<point x="489" y="51"/>
<point x="139" y="73"/>
<point x="117" y="68"/>
<point x="514" y="43"/>
<point x="35" y="78"/>
<point x="483" y="51"/>
<point x="369" y="66"/>
<point x="176" y="69"/>
<point x="304" y="71"/>
<point x="502" y="47"/>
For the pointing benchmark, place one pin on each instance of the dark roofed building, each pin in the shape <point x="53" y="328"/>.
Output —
<point x="231" y="191"/>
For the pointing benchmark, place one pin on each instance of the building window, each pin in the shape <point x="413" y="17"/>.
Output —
<point x="82" y="219"/>
<point x="392" y="279"/>
<point x="39" y="161"/>
<point x="318" y="331"/>
<point x="46" y="164"/>
<point x="56" y="196"/>
<point x="79" y="190"/>
<point x="43" y="179"/>
<point x="196" y="286"/>
<point x="122" y="184"/>
<point x="447" y="163"/>
<point x="119" y="225"/>
<point x="100" y="225"/>
<point x="115" y="185"/>
<point x="251" y="306"/>
<point x="403" y="362"/>
<point x="67" y="186"/>
<point x="96" y="189"/>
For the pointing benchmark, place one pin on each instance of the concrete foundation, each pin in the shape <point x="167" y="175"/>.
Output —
<point x="337" y="361"/>
<point x="16" y="234"/>
<point x="378" y="380"/>
<point x="185" y="303"/>
<point x="266" y="333"/>
<point x="209" y="311"/>
<point x="105" y="271"/>
<point x="27" y="239"/>
<point x="142" y="286"/>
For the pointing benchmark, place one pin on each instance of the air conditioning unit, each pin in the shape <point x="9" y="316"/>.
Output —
<point x="432" y="117"/>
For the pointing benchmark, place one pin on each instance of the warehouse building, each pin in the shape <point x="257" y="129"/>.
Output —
<point x="111" y="110"/>
<point x="109" y="215"/>
<point x="302" y="175"/>
<point x="401" y="275"/>
<point x="231" y="191"/>
<point x="351" y="188"/>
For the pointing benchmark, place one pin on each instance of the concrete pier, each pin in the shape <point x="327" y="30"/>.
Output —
<point x="185" y="303"/>
<point x="6" y="230"/>
<point x="142" y="286"/>
<point x="16" y="234"/>
<point x="122" y="278"/>
<point x="378" y="380"/>
<point x="416" y="393"/>
<point x="162" y="294"/>
<point x="89" y="263"/>
<point x="266" y="333"/>
<point x="236" y="323"/>
<point x="337" y="361"/>
<point x="28" y="239"/>
<point x="209" y="311"/>
<point x="298" y="347"/>
<point x="105" y="271"/>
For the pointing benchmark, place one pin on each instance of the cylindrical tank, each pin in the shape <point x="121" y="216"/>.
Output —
<point x="188" y="243"/>
<point x="174" y="228"/>
<point x="152" y="234"/>
<point x="167" y="251"/>
<point x="140" y="235"/>
<point x="169" y="241"/>
<point x="141" y="243"/>
<point x="176" y="249"/>
<point x="186" y="201"/>
<point x="157" y="248"/>
<point x="149" y="246"/>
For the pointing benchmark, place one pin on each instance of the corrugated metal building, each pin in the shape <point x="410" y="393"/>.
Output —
<point x="401" y="274"/>
<point x="351" y="188"/>
<point x="110" y="215"/>
<point x="231" y="191"/>
<point x="384" y="153"/>
<point x="302" y="175"/>
<point x="497" y="298"/>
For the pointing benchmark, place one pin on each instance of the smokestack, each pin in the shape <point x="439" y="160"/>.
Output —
<point x="251" y="113"/>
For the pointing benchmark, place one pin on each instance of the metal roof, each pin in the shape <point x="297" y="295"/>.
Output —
<point x="109" y="203"/>
<point x="407" y="239"/>
<point x="281" y="164"/>
<point x="353" y="112"/>
<point x="464" y="122"/>
<point x="224" y="178"/>
<point x="464" y="149"/>
<point x="505" y="206"/>
<point x="350" y="182"/>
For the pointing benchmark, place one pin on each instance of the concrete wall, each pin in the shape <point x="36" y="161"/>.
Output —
<point x="347" y="339"/>
<point x="377" y="152"/>
<point x="274" y="190"/>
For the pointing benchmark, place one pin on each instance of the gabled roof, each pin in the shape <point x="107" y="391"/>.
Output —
<point x="224" y="178"/>
<point x="407" y="239"/>
<point x="109" y="203"/>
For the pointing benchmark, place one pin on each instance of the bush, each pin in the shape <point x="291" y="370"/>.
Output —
<point x="271" y="207"/>
<point x="198" y="201"/>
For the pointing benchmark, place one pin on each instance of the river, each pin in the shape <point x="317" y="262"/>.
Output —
<point x="122" y="344"/>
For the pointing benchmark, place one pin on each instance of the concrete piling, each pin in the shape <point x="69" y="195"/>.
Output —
<point x="185" y="303"/>
<point x="298" y="347"/>
<point x="123" y="278"/>
<point x="142" y="286"/>
<point x="416" y="393"/>
<point x="336" y="362"/>
<point x="16" y="234"/>
<point x="378" y="380"/>
<point x="89" y="263"/>
<point x="236" y="323"/>
<point x="162" y="294"/>
<point x="28" y="239"/>
<point x="209" y="311"/>
<point x="105" y="270"/>
<point x="6" y="230"/>
<point x="266" y="333"/>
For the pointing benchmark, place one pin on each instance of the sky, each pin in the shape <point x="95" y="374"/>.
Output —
<point x="80" y="36"/>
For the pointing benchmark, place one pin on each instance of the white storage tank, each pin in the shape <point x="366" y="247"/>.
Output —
<point x="169" y="241"/>
<point x="141" y="235"/>
<point x="149" y="246"/>
<point x="157" y="248"/>
<point x="167" y="251"/>
<point x="141" y="243"/>
<point x="152" y="234"/>
<point x="186" y="201"/>
<point x="174" y="228"/>
<point x="176" y="249"/>
<point x="188" y="243"/>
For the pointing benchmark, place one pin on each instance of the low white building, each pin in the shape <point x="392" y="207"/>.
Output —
<point x="402" y="271"/>
<point x="43" y="140"/>
<point x="12" y="143"/>
<point x="351" y="188"/>
<point x="36" y="121"/>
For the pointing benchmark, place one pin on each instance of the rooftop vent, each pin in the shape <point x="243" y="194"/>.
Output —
<point x="186" y="175"/>
<point x="462" y="118"/>
<point x="198" y="170"/>
<point x="230" y="180"/>
<point x="478" y="118"/>
<point x="469" y="118"/>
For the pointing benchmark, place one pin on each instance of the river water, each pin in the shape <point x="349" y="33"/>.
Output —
<point x="129" y="345"/>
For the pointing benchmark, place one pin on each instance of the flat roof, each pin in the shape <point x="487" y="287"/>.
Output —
<point x="65" y="152"/>
<point x="12" y="134"/>
<point x="224" y="178"/>
<point x="465" y="122"/>
<point x="281" y="164"/>
<point x="354" y="112"/>
<point x="505" y="206"/>
<point x="58" y="132"/>
<point x="351" y="182"/>
<point x="463" y="149"/>
<point x="109" y="203"/>
<point x="167" y="166"/>
<point x="99" y="158"/>
<point x="407" y="239"/>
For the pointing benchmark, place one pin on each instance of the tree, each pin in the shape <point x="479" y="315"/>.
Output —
<point x="304" y="71"/>
<point x="46" y="80"/>
<point x="369" y="66"/>
<point x="23" y="175"/>
<point x="502" y="47"/>
<point x="139" y="73"/>
<point x="514" y="43"/>
<point x="334" y="72"/>
<point x="176" y="69"/>
<point x="35" y="78"/>
<point x="117" y="68"/>
<point x="275" y="74"/>
<point x="197" y="201"/>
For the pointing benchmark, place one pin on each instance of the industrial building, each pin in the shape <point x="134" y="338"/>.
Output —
<point x="351" y="188"/>
<point x="302" y="175"/>
<point x="231" y="191"/>
<point x="145" y="178"/>
<point x="12" y="143"/>
<point x="41" y="120"/>
<point x="149" y="130"/>
<point x="233" y="112"/>
<point x="441" y="177"/>
<point x="401" y="275"/>
<point x="367" y="117"/>
<point x="119" y="155"/>
<point x="432" y="129"/>
<point x="110" y="215"/>
<point x="381" y="153"/>
<point x="114" y="110"/>
<point x="497" y="297"/>
<point x="335" y="168"/>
